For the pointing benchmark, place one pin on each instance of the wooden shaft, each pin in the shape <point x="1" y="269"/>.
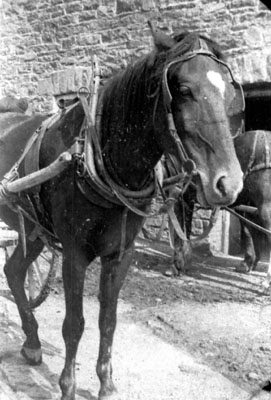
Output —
<point x="248" y="209"/>
<point x="38" y="177"/>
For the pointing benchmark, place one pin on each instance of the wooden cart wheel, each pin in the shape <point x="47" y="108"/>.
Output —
<point x="41" y="273"/>
<point x="40" y="277"/>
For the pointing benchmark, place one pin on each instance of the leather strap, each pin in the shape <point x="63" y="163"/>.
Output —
<point x="32" y="153"/>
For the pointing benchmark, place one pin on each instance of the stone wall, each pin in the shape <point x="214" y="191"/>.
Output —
<point x="46" y="46"/>
<point x="41" y="37"/>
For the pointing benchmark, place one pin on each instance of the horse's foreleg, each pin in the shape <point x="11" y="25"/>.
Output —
<point x="112" y="277"/>
<point x="15" y="270"/>
<point x="248" y="247"/>
<point x="73" y="326"/>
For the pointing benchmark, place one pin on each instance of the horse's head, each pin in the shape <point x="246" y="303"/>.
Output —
<point x="201" y="95"/>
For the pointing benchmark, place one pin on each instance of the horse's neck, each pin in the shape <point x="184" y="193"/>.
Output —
<point x="132" y="162"/>
<point x="132" y="154"/>
<point x="129" y="144"/>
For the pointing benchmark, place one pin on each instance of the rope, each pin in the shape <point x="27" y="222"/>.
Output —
<point x="256" y="226"/>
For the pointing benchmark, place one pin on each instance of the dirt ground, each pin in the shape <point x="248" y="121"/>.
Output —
<point x="222" y="318"/>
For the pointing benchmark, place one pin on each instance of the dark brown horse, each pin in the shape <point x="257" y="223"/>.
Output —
<point x="184" y="74"/>
<point x="253" y="149"/>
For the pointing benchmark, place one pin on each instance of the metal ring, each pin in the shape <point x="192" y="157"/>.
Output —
<point x="83" y="91"/>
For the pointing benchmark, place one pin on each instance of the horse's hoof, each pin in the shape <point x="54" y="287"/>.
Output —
<point x="243" y="268"/>
<point x="109" y="392"/>
<point x="171" y="272"/>
<point x="32" y="356"/>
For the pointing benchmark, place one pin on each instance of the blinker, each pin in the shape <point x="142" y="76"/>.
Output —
<point x="189" y="166"/>
<point x="237" y="105"/>
<point x="236" y="110"/>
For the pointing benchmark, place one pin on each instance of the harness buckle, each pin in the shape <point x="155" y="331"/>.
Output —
<point x="83" y="91"/>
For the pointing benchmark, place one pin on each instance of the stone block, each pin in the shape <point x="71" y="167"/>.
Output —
<point x="28" y="5"/>
<point x="73" y="7"/>
<point x="124" y="6"/>
<point x="253" y="67"/>
<point x="197" y="224"/>
<point x="66" y="81"/>
<point x="88" y="39"/>
<point x="253" y="36"/>
<point x="30" y="56"/>
<point x="57" y="12"/>
<point x="67" y="43"/>
<point x="87" y="16"/>
<point x="95" y="4"/>
<point x="202" y="213"/>
<point x="45" y="87"/>
<point x="56" y="2"/>
<point x="148" y="5"/>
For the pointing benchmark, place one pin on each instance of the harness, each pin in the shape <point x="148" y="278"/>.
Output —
<point x="92" y="178"/>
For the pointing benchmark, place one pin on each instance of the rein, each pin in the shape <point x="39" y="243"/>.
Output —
<point x="249" y="170"/>
<point x="247" y="221"/>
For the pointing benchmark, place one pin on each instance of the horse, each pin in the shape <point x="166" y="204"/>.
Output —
<point x="176" y="100"/>
<point x="253" y="152"/>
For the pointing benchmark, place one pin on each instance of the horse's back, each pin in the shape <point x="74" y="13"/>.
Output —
<point x="247" y="138"/>
<point x="15" y="130"/>
<point x="254" y="144"/>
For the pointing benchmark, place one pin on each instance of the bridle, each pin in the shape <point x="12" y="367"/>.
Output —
<point x="188" y="164"/>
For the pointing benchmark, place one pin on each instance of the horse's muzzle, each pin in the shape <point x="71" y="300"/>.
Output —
<point x="220" y="191"/>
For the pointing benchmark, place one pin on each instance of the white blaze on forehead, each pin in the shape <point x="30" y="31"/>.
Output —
<point x="216" y="79"/>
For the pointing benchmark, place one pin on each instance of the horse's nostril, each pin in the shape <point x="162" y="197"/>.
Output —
<point x="221" y="185"/>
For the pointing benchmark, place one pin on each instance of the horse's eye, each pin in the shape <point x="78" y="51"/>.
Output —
<point x="184" y="91"/>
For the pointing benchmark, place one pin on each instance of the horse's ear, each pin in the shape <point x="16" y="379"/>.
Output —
<point x="161" y="41"/>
